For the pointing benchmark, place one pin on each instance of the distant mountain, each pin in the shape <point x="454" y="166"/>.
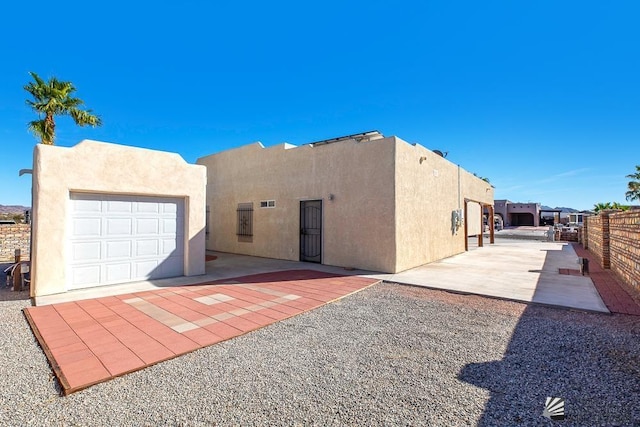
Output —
<point x="13" y="209"/>
<point x="569" y="210"/>
<point x="561" y="209"/>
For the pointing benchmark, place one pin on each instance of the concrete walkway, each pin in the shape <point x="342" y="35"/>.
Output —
<point x="520" y="270"/>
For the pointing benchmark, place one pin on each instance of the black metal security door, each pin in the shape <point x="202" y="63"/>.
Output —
<point x="311" y="230"/>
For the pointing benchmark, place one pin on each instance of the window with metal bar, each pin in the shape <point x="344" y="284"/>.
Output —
<point x="245" y="219"/>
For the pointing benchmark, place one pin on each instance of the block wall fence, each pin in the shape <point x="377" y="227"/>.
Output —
<point x="613" y="238"/>
<point x="14" y="237"/>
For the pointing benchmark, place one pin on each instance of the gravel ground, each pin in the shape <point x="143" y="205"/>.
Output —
<point x="389" y="355"/>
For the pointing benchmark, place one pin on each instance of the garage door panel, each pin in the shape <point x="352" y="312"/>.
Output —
<point x="116" y="239"/>
<point x="119" y="206"/>
<point x="146" y="248"/>
<point x="148" y="207"/>
<point x="147" y="226"/>
<point x="169" y="247"/>
<point x="87" y="227"/>
<point x="118" y="272"/>
<point x="86" y="251"/>
<point x="119" y="226"/>
<point x="147" y="268"/>
<point x="169" y="226"/>
<point x="169" y="208"/>
<point x="118" y="249"/>
<point x="87" y="206"/>
<point x="83" y="276"/>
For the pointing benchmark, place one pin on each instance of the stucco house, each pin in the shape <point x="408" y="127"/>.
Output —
<point x="517" y="213"/>
<point x="107" y="214"/>
<point x="364" y="201"/>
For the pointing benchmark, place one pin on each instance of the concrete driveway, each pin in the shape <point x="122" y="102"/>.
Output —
<point x="520" y="270"/>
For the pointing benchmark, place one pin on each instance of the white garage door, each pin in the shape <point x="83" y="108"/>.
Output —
<point x="117" y="239"/>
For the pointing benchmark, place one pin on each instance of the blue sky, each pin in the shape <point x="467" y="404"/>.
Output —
<point x="540" y="97"/>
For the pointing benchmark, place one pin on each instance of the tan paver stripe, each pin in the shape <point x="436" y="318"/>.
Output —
<point x="266" y="291"/>
<point x="176" y="323"/>
<point x="179" y="324"/>
<point x="214" y="299"/>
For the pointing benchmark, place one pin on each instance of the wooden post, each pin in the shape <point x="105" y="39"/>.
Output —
<point x="492" y="225"/>
<point x="466" y="237"/>
<point x="16" y="274"/>
<point x="481" y="235"/>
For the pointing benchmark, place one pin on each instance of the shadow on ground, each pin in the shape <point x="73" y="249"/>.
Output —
<point x="590" y="360"/>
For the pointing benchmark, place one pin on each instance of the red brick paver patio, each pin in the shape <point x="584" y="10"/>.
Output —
<point x="612" y="292"/>
<point x="91" y="341"/>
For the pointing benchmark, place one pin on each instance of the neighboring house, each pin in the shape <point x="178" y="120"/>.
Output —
<point x="549" y="216"/>
<point x="363" y="201"/>
<point x="577" y="218"/>
<point x="518" y="214"/>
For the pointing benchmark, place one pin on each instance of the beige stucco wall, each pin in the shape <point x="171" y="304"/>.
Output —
<point x="390" y="210"/>
<point x="358" y="229"/>
<point x="474" y="218"/>
<point x="99" y="167"/>
<point x="428" y="189"/>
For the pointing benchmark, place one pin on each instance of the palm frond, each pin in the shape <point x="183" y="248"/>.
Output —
<point x="71" y="103"/>
<point x="633" y="186"/>
<point x="37" y="78"/>
<point x="55" y="98"/>
<point x="85" y="117"/>
<point x="41" y="130"/>
<point x="632" y="195"/>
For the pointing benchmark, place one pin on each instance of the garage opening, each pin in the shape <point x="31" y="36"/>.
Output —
<point x="518" y="219"/>
<point x="118" y="239"/>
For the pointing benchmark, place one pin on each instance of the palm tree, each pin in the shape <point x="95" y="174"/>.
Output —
<point x="634" y="185"/>
<point x="601" y="207"/>
<point x="54" y="98"/>
<point x="616" y="205"/>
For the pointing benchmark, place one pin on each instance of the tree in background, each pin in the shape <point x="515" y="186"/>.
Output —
<point x="602" y="207"/>
<point x="616" y="205"/>
<point x="18" y="218"/>
<point x="634" y="185"/>
<point x="54" y="98"/>
<point x="605" y="206"/>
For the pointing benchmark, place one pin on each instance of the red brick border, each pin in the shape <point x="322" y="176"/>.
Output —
<point x="612" y="292"/>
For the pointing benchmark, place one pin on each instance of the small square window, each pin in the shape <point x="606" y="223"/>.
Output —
<point x="268" y="204"/>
